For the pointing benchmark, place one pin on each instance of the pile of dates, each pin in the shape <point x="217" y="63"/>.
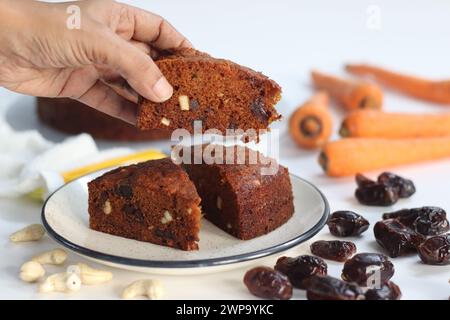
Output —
<point x="428" y="221"/>
<point x="289" y="272"/>
<point x="365" y="276"/>
<point x="419" y="230"/>
<point x="385" y="191"/>
<point x="396" y="238"/>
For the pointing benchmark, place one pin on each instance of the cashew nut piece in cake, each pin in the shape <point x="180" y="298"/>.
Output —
<point x="32" y="232"/>
<point x="55" y="257"/>
<point x="31" y="271"/>
<point x="153" y="289"/>
<point x="89" y="275"/>
<point x="61" y="282"/>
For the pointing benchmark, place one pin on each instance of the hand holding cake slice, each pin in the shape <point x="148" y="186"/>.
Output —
<point x="220" y="93"/>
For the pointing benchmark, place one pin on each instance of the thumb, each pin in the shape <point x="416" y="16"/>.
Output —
<point x="135" y="66"/>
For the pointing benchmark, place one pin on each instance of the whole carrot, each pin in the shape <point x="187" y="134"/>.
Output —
<point x="379" y="124"/>
<point x="429" y="90"/>
<point x="311" y="124"/>
<point x="352" y="155"/>
<point x="352" y="95"/>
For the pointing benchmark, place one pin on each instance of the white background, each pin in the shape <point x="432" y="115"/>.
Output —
<point x="285" y="40"/>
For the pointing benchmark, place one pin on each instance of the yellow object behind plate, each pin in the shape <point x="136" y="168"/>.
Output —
<point x="130" y="158"/>
<point x="70" y="175"/>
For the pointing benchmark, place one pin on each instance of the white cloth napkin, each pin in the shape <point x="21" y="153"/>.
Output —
<point x="28" y="161"/>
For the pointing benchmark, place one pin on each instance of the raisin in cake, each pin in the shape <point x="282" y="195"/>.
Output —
<point x="220" y="93"/>
<point x="238" y="198"/>
<point x="153" y="201"/>
<point x="73" y="117"/>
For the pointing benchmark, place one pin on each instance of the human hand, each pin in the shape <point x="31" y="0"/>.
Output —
<point x="105" y="63"/>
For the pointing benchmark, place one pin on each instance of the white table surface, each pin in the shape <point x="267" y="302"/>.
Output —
<point x="284" y="39"/>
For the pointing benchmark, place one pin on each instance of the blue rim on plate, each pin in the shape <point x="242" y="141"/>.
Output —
<point x="189" y="263"/>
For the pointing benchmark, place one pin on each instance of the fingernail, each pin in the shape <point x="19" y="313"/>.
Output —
<point x="163" y="89"/>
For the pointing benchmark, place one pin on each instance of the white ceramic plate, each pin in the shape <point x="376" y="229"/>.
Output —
<point x="65" y="216"/>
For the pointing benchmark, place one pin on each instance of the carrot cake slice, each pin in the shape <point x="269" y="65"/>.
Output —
<point x="238" y="196"/>
<point x="221" y="94"/>
<point x="153" y="201"/>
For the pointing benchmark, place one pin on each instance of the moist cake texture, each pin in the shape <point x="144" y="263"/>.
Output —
<point x="220" y="93"/>
<point x="153" y="201"/>
<point x="238" y="198"/>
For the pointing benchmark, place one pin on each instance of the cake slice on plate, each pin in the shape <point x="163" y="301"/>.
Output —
<point x="153" y="201"/>
<point x="244" y="193"/>
<point x="220" y="93"/>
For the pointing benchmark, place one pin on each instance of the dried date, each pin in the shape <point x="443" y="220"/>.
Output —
<point x="387" y="291"/>
<point x="301" y="268"/>
<point x="333" y="250"/>
<point x="133" y="213"/>
<point x="436" y="250"/>
<point x="363" y="182"/>
<point x="268" y="283"/>
<point x="125" y="191"/>
<point x="428" y="221"/>
<point x="372" y="193"/>
<point x="363" y="266"/>
<point x="346" y="224"/>
<point x="385" y="191"/>
<point x="396" y="238"/>
<point x="405" y="187"/>
<point x="329" y="288"/>
<point x="404" y="216"/>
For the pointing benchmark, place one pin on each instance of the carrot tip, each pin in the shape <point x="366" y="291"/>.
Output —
<point x="343" y="131"/>
<point x="311" y="126"/>
<point x="323" y="161"/>
<point x="348" y="67"/>
<point x="368" y="103"/>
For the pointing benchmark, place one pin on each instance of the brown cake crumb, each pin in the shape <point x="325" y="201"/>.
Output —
<point x="153" y="201"/>
<point x="220" y="93"/>
<point x="238" y="198"/>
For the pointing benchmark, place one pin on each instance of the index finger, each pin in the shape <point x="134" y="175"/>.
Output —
<point x="155" y="30"/>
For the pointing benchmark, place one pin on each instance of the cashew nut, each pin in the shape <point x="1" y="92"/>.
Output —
<point x="153" y="289"/>
<point x="31" y="271"/>
<point x="32" y="232"/>
<point x="55" y="257"/>
<point x="89" y="275"/>
<point x="61" y="282"/>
